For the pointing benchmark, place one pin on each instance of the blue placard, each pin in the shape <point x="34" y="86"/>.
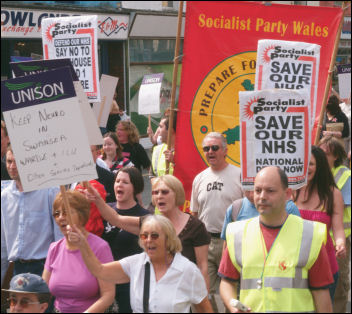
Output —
<point x="37" y="89"/>
<point x="38" y="66"/>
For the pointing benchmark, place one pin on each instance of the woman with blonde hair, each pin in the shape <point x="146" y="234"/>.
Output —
<point x="128" y="137"/>
<point x="171" y="283"/>
<point x="76" y="290"/>
<point x="167" y="194"/>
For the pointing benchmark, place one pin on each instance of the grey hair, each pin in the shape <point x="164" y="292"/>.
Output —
<point x="216" y="135"/>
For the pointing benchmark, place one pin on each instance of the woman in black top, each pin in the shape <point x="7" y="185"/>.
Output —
<point x="128" y="136"/>
<point x="128" y="183"/>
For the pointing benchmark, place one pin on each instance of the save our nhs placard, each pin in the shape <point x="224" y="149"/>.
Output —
<point x="288" y="65"/>
<point x="46" y="130"/>
<point x="75" y="37"/>
<point x="275" y="131"/>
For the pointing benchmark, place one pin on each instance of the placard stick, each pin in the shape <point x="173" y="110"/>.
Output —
<point x="328" y="81"/>
<point x="149" y="121"/>
<point x="174" y="81"/>
<point x="66" y="204"/>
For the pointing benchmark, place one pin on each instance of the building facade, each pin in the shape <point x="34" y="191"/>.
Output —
<point x="134" y="38"/>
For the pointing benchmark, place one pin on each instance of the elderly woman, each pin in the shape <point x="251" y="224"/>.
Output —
<point x="162" y="280"/>
<point x="167" y="195"/>
<point x="75" y="288"/>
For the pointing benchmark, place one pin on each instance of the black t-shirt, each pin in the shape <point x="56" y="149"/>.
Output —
<point x="123" y="243"/>
<point x="107" y="178"/>
<point x="137" y="154"/>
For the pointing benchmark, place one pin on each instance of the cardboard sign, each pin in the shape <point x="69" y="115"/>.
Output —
<point x="275" y="131"/>
<point x="102" y="109"/>
<point x="75" y="37"/>
<point x="46" y="130"/>
<point x="149" y="94"/>
<point x="34" y="67"/>
<point x="288" y="65"/>
<point x="344" y="77"/>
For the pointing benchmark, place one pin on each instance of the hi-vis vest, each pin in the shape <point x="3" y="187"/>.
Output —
<point x="159" y="162"/>
<point x="282" y="285"/>
<point x="341" y="175"/>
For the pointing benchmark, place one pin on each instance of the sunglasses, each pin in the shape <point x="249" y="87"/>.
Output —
<point x="163" y="192"/>
<point x="23" y="302"/>
<point x="153" y="236"/>
<point x="214" y="148"/>
<point x="57" y="214"/>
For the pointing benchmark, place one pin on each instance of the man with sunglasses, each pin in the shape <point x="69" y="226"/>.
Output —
<point x="213" y="191"/>
<point x="28" y="293"/>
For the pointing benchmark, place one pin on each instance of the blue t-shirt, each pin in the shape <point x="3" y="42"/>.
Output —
<point x="248" y="210"/>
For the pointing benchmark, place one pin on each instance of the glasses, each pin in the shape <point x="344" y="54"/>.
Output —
<point x="153" y="236"/>
<point x="57" y="213"/>
<point x="214" y="148"/>
<point x="23" y="302"/>
<point x="163" y="192"/>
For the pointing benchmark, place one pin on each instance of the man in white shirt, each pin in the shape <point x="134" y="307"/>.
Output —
<point x="213" y="190"/>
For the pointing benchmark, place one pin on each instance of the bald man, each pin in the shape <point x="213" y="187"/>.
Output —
<point x="279" y="259"/>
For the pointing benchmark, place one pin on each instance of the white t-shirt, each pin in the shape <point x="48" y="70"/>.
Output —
<point x="213" y="192"/>
<point x="181" y="286"/>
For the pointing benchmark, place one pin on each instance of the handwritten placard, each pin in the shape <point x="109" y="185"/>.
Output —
<point x="75" y="37"/>
<point x="149" y="94"/>
<point x="275" y="131"/>
<point x="46" y="130"/>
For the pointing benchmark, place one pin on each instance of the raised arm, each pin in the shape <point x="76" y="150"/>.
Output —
<point x="127" y="223"/>
<point x="110" y="272"/>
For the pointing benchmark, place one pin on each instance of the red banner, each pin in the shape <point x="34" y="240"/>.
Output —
<point x="219" y="60"/>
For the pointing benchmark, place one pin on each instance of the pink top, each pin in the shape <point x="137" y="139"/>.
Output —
<point x="74" y="287"/>
<point x="315" y="215"/>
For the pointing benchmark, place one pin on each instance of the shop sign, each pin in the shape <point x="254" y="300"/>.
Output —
<point x="27" y="23"/>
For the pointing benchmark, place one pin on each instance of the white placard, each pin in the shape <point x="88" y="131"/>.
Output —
<point x="75" y="37"/>
<point x="275" y="131"/>
<point x="46" y="129"/>
<point x="288" y="65"/>
<point x="102" y="109"/>
<point x="149" y="94"/>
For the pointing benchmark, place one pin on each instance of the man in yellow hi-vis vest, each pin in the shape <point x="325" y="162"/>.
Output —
<point x="336" y="155"/>
<point x="279" y="259"/>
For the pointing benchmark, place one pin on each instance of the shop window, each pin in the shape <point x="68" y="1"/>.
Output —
<point x="152" y="50"/>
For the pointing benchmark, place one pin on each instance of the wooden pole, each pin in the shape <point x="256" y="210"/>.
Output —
<point x="174" y="81"/>
<point x="328" y="81"/>
<point x="66" y="204"/>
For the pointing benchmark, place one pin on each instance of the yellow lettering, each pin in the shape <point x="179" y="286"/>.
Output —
<point x="297" y="27"/>
<point x="318" y="31"/>
<point x="325" y="31"/>
<point x="209" y="22"/>
<point x="259" y="24"/>
<point x="201" y="21"/>
<point x="306" y="30"/>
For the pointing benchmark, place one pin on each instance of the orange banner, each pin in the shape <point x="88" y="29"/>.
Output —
<point x="219" y="60"/>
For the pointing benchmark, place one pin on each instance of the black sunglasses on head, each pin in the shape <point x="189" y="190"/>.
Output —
<point x="214" y="148"/>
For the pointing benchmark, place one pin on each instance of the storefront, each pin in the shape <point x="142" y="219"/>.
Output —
<point x="21" y="37"/>
<point x="152" y="50"/>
